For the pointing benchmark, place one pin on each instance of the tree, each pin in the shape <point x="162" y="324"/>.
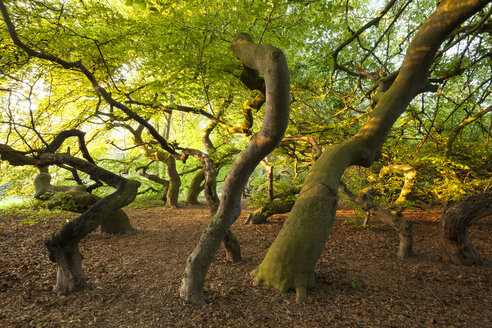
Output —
<point x="290" y="261"/>
<point x="270" y="62"/>
<point x="63" y="247"/>
<point x="453" y="240"/>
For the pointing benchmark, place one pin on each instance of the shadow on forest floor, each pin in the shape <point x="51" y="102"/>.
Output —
<point x="133" y="280"/>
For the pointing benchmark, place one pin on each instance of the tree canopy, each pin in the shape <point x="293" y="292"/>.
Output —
<point x="161" y="97"/>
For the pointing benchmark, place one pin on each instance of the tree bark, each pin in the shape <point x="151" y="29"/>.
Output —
<point x="271" y="62"/>
<point x="174" y="183"/>
<point x="231" y="244"/>
<point x="195" y="187"/>
<point x="290" y="261"/>
<point x="274" y="207"/>
<point x="453" y="240"/>
<point x="156" y="178"/>
<point x="77" y="199"/>
<point x="63" y="246"/>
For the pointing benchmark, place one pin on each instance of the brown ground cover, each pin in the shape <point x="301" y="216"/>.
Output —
<point x="133" y="280"/>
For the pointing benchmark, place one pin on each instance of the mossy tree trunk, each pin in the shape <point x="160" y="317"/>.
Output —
<point x="116" y="222"/>
<point x="453" y="240"/>
<point x="290" y="261"/>
<point x="153" y="153"/>
<point x="271" y="62"/>
<point x="276" y="206"/>
<point x="63" y="246"/>
<point x="195" y="187"/>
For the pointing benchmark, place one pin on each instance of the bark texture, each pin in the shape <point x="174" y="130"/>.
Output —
<point x="63" y="246"/>
<point x="453" y="240"/>
<point x="151" y="152"/>
<point x="289" y="263"/>
<point x="195" y="187"/>
<point x="231" y="244"/>
<point x="172" y="195"/>
<point x="270" y="62"/>
<point x="276" y="206"/>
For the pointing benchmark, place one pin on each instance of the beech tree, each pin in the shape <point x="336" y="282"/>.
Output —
<point x="93" y="65"/>
<point x="271" y="63"/>
<point x="63" y="247"/>
<point x="289" y="263"/>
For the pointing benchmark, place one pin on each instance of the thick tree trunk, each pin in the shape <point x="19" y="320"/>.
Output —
<point x="70" y="275"/>
<point x="116" y="222"/>
<point x="195" y="187"/>
<point x="271" y="63"/>
<point x="453" y="240"/>
<point x="174" y="183"/>
<point x="289" y="263"/>
<point x="402" y="226"/>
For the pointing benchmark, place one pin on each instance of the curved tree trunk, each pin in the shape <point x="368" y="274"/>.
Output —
<point x="271" y="63"/>
<point x="63" y="246"/>
<point x="452" y="240"/>
<point x="231" y="244"/>
<point x="402" y="226"/>
<point x="290" y="261"/>
<point x="156" y="178"/>
<point x="78" y="200"/>
<point x="195" y="187"/>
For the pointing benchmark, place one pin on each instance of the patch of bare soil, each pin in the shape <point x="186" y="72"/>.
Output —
<point x="133" y="280"/>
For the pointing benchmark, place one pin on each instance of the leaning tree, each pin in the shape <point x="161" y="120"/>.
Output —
<point x="271" y="63"/>
<point x="289" y="263"/>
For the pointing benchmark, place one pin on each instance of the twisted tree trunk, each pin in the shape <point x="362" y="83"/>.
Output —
<point x="231" y="244"/>
<point x="290" y="261"/>
<point x="271" y="63"/>
<point x="453" y="240"/>
<point x="402" y="226"/>
<point x="77" y="199"/>
<point x="63" y="246"/>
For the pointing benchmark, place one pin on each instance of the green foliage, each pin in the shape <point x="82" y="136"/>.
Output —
<point x="165" y="53"/>
<point x="29" y="215"/>
<point x="350" y="281"/>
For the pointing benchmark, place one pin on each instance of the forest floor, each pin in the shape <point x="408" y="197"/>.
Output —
<point x="133" y="280"/>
